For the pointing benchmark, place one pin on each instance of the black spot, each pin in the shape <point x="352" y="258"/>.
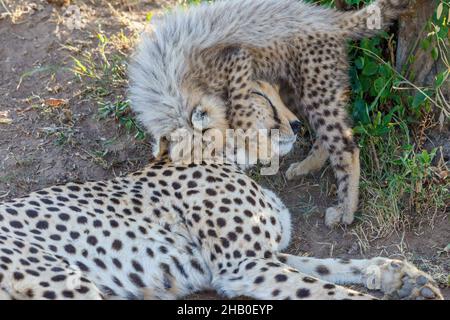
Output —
<point x="232" y="236"/>
<point x="70" y="248"/>
<point x="100" y="263"/>
<point x="309" y="280"/>
<point x="68" y="294"/>
<point x="322" y="270"/>
<point x="221" y="222"/>
<point x="49" y="295"/>
<point x="259" y="279"/>
<point x="74" y="235"/>
<point x="82" y="220"/>
<point x="137" y="266"/>
<point x="196" y="265"/>
<point x="18" y="276"/>
<point x="64" y="216"/>
<point x="16" y="224"/>
<point x="197" y="175"/>
<point x="31" y="213"/>
<point x="303" y="293"/>
<point x="230" y="187"/>
<point x="92" y="240"/>
<point x="82" y="266"/>
<point x="58" y="278"/>
<point x="13" y="212"/>
<point x="117" y="245"/>
<point x="74" y="188"/>
<point x="208" y="204"/>
<point x="256" y="230"/>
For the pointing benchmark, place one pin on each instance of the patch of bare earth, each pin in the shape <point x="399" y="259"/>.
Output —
<point x="45" y="141"/>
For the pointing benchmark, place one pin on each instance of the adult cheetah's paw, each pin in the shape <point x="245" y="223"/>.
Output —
<point x="401" y="280"/>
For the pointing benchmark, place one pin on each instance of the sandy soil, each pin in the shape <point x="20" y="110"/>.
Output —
<point x="44" y="145"/>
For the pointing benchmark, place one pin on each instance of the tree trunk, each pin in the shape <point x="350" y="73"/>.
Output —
<point x="422" y="71"/>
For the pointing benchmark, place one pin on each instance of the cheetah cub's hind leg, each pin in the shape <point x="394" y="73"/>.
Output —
<point x="396" y="279"/>
<point x="271" y="279"/>
<point x="324" y="97"/>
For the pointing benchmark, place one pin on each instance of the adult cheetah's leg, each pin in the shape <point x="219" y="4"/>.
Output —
<point x="395" y="278"/>
<point x="270" y="279"/>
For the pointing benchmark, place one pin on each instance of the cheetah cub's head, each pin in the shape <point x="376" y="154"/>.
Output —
<point x="277" y="127"/>
<point x="218" y="130"/>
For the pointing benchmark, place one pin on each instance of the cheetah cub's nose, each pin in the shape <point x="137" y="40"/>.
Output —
<point x="296" y="125"/>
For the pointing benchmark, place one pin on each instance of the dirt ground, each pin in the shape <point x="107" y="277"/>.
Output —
<point x="43" y="142"/>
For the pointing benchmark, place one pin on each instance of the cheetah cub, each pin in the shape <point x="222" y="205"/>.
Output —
<point x="218" y="49"/>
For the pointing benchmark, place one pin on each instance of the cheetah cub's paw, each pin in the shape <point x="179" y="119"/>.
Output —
<point x="401" y="280"/>
<point x="337" y="215"/>
<point x="298" y="169"/>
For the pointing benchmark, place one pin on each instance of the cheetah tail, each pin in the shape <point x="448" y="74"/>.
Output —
<point x="371" y="19"/>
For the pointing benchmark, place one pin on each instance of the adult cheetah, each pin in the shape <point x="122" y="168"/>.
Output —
<point x="219" y="48"/>
<point x="172" y="229"/>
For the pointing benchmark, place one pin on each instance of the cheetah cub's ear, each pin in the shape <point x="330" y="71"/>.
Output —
<point x="209" y="114"/>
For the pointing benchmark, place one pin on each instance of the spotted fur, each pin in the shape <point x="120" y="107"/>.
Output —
<point x="218" y="49"/>
<point x="173" y="229"/>
<point x="168" y="231"/>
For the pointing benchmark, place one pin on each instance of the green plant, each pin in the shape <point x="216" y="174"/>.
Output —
<point x="104" y="66"/>
<point x="121" y="112"/>
<point x="104" y="71"/>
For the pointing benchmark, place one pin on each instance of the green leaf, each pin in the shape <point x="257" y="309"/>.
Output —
<point x="435" y="54"/>
<point x="419" y="99"/>
<point x="440" y="78"/>
<point x="359" y="63"/>
<point x="379" y="84"/>
<point x="425" y="44"/>
<point x="360" y="111"/>
<point x="443" y="32"/>
<point x="370" y="69"/>
<point x="366" y="83"/>
<point x="425" y="156"/>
